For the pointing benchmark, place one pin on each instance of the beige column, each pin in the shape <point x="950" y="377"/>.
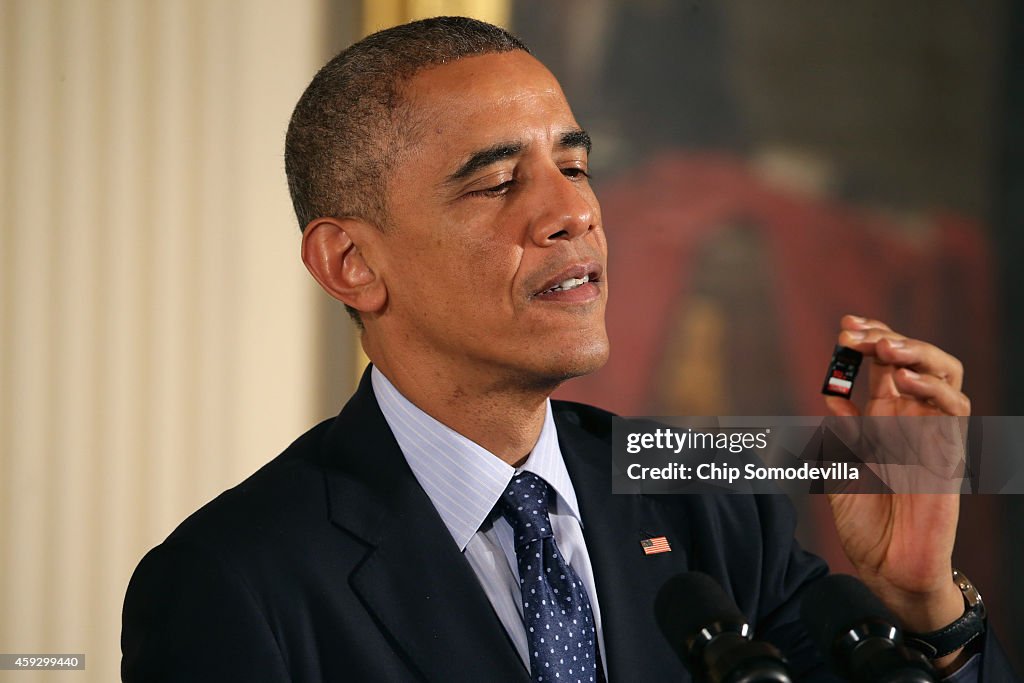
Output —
<point x="380" y="14"/>
<point x="158" y="329"/>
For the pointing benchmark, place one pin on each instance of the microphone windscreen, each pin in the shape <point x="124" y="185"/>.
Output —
<point x="689" y="602"/>
<point x="835" y="603"/>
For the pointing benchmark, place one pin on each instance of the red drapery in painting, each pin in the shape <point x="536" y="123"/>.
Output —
<point x="823" y="258"/>
<point x="826" y="258"/>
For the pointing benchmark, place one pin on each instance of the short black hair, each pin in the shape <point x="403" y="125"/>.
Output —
<point x="351" y="119"/>
<point x="346" y="124"/>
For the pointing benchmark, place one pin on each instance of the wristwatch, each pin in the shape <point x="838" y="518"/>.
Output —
<point x="958" y="634"/>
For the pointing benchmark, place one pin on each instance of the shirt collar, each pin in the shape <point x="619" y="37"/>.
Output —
<point x="463" y="479"/>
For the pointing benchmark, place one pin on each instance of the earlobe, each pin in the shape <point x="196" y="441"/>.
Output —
<point x="331" y="252"/>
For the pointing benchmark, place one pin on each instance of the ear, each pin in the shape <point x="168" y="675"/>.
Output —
<point x="331" y="252"/>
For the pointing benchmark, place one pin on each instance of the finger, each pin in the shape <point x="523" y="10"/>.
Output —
<point x="856" y="322"/>
<point x="922" y="357"/>
<point x="893" y="349"/>
<point x="880" y="382"/>
<point x="865" y="339"/>
<point x="877" y="339"/>
<point x="841" y="407"/>
<point x="845" y="426"/>
<point x="934" y="390"/>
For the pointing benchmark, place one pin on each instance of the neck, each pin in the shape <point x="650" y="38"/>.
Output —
<point x="505" y="417"/>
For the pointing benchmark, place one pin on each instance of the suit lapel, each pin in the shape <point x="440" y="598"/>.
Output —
<point x="414" y="581"/>
<point x="417" y="585"/>
<point x="627" y="579"/>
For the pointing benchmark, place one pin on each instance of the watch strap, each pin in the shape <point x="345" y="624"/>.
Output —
<point x="956" y="635"/>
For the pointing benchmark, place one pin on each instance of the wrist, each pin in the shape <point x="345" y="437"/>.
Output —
<point x="951" y="645"/>
<point x="922" y="611"/>
<point x="931" y="612"/>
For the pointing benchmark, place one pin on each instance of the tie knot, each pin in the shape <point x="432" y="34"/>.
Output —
<point x="524" y="504"/>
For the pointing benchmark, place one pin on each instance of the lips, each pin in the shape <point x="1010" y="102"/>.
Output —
<point x="576" y="282"/>
<point x="571" y="283"/>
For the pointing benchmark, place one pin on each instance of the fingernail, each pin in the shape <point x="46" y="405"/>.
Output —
<point x="896" y="343"/>
<point x="857" y="319"/>
<point x="910" y="374"/>
<point x="854" y="335"/>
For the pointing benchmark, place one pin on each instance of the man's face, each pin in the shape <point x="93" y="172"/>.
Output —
<point x="494" y="258"/>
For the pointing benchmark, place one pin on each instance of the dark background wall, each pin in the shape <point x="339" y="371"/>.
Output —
<point x="766" y="167"/>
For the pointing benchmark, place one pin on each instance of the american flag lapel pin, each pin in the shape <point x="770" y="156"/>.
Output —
<point x="655" y="545"/>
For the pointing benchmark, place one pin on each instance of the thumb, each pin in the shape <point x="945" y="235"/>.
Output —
<point x="841" y="407"/>
<point x="843" y="425"/>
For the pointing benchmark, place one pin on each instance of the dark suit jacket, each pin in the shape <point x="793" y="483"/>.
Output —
<point x="331" y="564"/>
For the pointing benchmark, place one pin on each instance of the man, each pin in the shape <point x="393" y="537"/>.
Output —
<point x="441" y="183"/>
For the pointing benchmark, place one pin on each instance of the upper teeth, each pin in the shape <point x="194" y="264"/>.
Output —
<point x="571" y="283"/>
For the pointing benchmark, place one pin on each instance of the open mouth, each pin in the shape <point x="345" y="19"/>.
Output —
<point x="568" y="284"/>
<point x="576" y="284"/>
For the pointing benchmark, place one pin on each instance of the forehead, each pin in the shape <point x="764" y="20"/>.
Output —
<point x="477" y="100"/>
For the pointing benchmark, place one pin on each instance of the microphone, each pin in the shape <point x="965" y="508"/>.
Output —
<point x="708" y="632"/>
<point x="858" y="636"/>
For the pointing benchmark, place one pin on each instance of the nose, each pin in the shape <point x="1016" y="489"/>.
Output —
<point x="566" y="209"/>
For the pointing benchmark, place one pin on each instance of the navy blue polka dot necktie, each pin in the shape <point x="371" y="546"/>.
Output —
<point x="556" y="611"/>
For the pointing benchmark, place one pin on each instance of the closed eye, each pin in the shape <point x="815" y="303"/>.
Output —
<point x="574" y="173"/>
<point x="495" y="191"/>
<point x="570" y="172"/>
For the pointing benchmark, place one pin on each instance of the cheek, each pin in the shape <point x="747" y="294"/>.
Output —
<point x="490" y="263"/>
<point x="500" y="257"/>
<point x="464" y="283"/>
<point x="467" y="266"/>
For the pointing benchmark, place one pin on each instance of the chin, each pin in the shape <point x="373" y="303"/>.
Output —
<point x="580" y="360"/>
<point x="591" y="358"/>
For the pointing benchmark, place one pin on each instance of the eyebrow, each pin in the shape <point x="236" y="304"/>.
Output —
<point x="486" y="157"/>
<point x="573" y="139"/>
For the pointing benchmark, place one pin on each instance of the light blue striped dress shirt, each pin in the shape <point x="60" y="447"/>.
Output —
<point x="464" y="481"/>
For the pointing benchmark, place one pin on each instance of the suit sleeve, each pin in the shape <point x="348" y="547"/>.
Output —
<point x="188" y="617"/>
<point x="788" y="569"/>
<point x="995" y="665"/>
